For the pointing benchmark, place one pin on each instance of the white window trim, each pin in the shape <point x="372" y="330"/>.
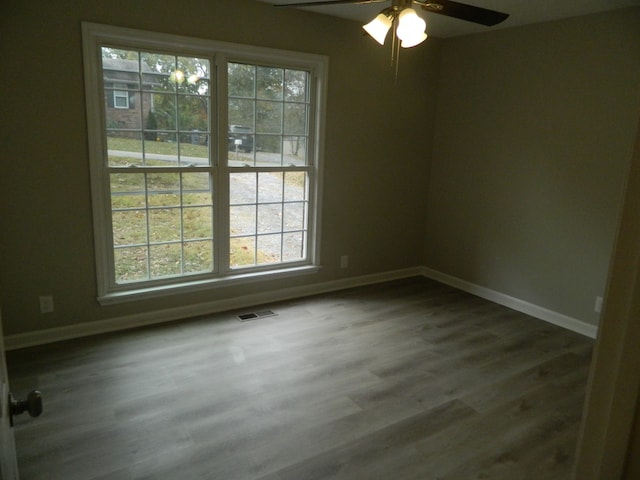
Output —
<point x="94" y="36"/>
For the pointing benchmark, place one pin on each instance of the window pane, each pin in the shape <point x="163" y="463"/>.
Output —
<point x="125" y="199"/>
<point x="270" y="247"/>
<point x="242" y="251"/>
<point x="198" y="257"/>
<point x="195" y="75"/>
<point x="293" y="247"/>
<point x="295" y="86"/>
<point x="166" y="260"/>
<point x="268" y="150"/>
<point x="193" y="113"/>
<point x="295" y="119"/>
<point x="295" y="186"/>
<point x="194" y="149"/>
<point x="164" y="224"/>
<point x="269" y="83"/>
<point x="120" y="66"/>
<point x="269" y="218"/>
<point x="129" y="227"/>
<point x="268" y="117"/>
<point x="243" y="188"/>
<point x="127" y="190"/>
<point x="196" y="189"/>
<point x="270" y="187"/>
<point x="163" y="152"/>
<point x="156" y="71"/>
<point x="242" y="219"/>
<point x="238" y="158"/>
<point x="241" y="143"/>
<point x="124" y="148"/>
<point x="293" y="216"/>
<point x="196" y="223"/>
<point x="163" y="189"/>
<point x="160" y="111"/>
<point x="295" y="150"/>
<point x="242" y="80"/>
<point x="131" y="264"/>
<point x="242" y="112"/>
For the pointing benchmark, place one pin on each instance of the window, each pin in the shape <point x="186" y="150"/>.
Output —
<point x="204" y="161"/>
<point x="120" y="96"/>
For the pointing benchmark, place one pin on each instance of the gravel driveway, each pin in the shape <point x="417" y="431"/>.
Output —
<point x="274" y="197"/>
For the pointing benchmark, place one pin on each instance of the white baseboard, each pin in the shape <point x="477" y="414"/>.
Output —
<point x="536" y="311"/>
<point x="41" y="337"/>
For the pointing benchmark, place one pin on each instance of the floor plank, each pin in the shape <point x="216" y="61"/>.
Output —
<point x="402" y="380"/>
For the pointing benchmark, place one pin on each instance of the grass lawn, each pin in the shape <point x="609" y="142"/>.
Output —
<point x="164" y="148"/>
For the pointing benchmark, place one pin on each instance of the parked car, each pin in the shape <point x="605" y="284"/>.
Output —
<point x="240" y="138"/>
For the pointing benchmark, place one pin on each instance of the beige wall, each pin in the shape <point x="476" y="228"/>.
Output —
<point x="375" y="165"/>
<point x="535" y="129"/>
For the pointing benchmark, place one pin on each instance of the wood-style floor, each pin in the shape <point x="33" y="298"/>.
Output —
<point x="404" y="380"/>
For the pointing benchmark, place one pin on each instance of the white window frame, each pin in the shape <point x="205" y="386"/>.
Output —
<point x="94" y="37"/>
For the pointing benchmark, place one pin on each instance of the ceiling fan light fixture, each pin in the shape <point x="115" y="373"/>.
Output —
<point x="379" y="27"/>
<point x="411" y="28"/>
<point x="417" y="40"/>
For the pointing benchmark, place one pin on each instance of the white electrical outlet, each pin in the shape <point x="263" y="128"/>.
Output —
<point x="344" y="261"/>
<point x="598" y="305"/>
<point x="46" y="304"/>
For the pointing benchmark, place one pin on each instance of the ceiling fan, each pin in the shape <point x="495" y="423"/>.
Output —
<point x="410" y="28"/>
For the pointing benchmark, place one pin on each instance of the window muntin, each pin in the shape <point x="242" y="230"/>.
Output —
<point x="169" y="125"/>
<point x="166" y="161"/>
<point x="273" y="103"/>
<point x="267" y="206"/>
<point x="162" y="222"/>
<point x="268" y="217"/>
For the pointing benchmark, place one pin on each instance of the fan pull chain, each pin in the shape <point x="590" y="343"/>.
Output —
<point x="394" y="40"/>
<point x="397" y="60"/>
<point x="395" y="49"/>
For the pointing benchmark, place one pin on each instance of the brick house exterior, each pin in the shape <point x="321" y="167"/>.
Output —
<point x="126" y="104"/>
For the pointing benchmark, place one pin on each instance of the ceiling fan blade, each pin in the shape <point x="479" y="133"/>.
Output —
<point x="470" y="13"/>
<point x="328" y="2"/>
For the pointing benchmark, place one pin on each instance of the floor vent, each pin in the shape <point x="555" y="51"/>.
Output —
<point x="246" y="317"/>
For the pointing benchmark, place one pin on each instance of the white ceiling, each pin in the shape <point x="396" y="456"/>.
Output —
<point x="521" y="12"/>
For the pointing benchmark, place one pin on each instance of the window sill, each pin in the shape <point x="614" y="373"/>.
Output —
<point x="189" y="287"/>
